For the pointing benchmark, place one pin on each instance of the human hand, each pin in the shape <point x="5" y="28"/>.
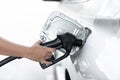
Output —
<point x="40" y="53"/>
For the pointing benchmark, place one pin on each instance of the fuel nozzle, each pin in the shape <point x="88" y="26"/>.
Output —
<point x="65" y="41"/>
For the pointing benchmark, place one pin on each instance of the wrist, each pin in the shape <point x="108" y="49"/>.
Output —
<point x="27" y="52"/>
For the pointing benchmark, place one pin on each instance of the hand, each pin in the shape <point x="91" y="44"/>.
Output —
<point x="40" y="53"/>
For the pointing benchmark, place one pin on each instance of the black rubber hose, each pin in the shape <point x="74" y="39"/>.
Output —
<point x="7" y="60"/>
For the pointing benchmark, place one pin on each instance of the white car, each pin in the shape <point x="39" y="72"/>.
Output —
<point x="96" y="60"/>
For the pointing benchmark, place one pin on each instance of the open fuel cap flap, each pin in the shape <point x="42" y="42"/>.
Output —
<point x="64" y="34"/>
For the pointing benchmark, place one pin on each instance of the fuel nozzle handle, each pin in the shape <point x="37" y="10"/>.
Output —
<point x="78" y="42"/>
<point x="53" y="44"/>
<point x="65" y="41"/>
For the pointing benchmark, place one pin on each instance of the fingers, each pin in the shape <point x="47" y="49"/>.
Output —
<point x="46" y="62"/>
<point x="49" y="55"/>
<point x="49" y="52"/>
<point x="51" y="49"/>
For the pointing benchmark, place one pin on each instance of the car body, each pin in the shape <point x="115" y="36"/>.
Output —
<point x="92" y="61"/>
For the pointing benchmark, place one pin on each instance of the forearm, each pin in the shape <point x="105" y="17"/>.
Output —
<point x="12" y="49"/>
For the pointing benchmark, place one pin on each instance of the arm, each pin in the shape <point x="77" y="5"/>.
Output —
<point x="35" y="52"/>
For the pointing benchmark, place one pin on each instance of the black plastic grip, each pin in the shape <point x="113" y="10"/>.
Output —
<point x="53" y="44"/>
<point x="78" y="42"/>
